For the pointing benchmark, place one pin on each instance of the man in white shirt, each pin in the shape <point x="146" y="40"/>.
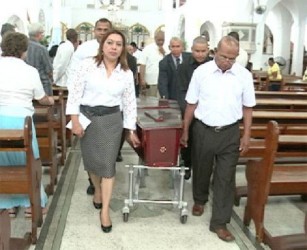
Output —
<point x="149" y="64"/>
<point x="136" y="52"/>
<point x="89" y="48"/>
<point x="220" y="93"/>
<point x="63" y="57"/>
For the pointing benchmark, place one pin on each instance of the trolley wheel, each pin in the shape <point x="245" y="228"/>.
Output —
<point x="125" y="217"/>
<point x="183" y="219"/>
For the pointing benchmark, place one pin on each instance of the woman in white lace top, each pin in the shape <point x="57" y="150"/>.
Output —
<point x="99" y="88"/>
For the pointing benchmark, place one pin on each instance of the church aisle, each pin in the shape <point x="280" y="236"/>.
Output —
<point x="75" y="223"/>
<point x="72" y="223"/>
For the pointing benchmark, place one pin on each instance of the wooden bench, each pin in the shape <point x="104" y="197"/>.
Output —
<point x="47" y="142"/>
<point x="64" y="135"/>
<point x="22" y="179"/>
<point x="290" y="166"/>
<point x="293" y="131"/>
<point x="261" y="177"/>
<point x="281" y="94"/>
<point x="294" y="83"/>
<point x="280" y="104"/>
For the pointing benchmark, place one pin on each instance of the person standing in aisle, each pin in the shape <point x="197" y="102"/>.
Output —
<point x="100" y="86"/>
<point x="149" y="64"/>
<point x="63" y="57"/>
<point x="200" y="55"/>
<point x="38" y="56"/>
<point x="86" y="50"/>
<point x="220" y="93"/>
<point x="167" y="79"/>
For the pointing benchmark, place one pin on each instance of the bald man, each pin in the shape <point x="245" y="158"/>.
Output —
<point x="221" y="93"/>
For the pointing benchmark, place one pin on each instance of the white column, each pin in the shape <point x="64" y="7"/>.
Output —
<point x="56" y="25"/>
<point x="298" y="47"/>
<point x="257" y="57"/>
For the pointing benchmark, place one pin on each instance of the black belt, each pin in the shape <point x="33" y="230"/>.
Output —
<point x="98" y="110"/>
<point x="220" y="128"/>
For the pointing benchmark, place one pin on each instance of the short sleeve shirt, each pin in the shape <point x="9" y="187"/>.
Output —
<point x="220" y="96"/>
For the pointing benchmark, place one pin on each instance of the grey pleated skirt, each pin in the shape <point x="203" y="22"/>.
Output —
<point x="100" y="144"/>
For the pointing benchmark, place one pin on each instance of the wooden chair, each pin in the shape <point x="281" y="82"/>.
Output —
<point x="22" y="179"/>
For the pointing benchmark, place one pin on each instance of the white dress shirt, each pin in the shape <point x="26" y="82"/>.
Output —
<point x="91" y="86"/>
<point x="61" y="63"/>
<point x="150" y="57"/>
<point x="220" y="96"/>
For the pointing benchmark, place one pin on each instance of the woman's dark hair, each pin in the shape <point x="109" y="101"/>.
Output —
<point x="122" y="60"/>
<point x="14" y="44"/>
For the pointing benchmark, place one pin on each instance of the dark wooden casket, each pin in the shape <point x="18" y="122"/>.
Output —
<point x="159" y="128"/>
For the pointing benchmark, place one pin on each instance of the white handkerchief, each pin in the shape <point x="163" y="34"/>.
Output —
<point x="83" y="120"/>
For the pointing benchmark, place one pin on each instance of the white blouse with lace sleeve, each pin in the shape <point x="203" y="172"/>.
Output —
<point x="90" y="86"/>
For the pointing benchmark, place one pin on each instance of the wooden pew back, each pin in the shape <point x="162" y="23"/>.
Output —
<point x="47" y="141"/>
<point x="22" y="179"/>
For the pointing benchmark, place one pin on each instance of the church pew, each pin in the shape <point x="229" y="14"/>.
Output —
<point x="261" y="176"/>
<point x="258" y="175"/>
<point x="64" y="135"/>
<point x="281" y="94"/>
<point x="47" y="140"/>
<point x="22" y="179"/>
<point x="280" y="104"/>
<point x="290" y="161"/>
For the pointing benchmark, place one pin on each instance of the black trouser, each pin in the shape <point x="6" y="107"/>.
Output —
<point x="218" y="151"/>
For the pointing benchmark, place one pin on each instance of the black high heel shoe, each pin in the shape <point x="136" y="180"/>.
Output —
<point x="97" y="205"/>
<point x="106" y="229"/>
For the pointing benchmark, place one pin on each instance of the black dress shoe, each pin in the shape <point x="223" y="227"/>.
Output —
<point x="187" y="174"/>
<point x="90" y="190"/>
<point x="106" y="229"/>
<point x="97" y="205"/>
<point x="119" y="158"/>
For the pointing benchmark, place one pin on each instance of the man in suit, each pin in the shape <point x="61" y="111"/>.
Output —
<point x="185" y="71"/>
<point x="167" y="79"/>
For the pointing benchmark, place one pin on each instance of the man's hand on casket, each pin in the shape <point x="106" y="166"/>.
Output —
<point x="132" y="138"/>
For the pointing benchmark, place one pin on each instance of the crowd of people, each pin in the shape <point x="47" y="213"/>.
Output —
<point x="105" y="76"/>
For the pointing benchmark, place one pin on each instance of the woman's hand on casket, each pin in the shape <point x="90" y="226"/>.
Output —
<point x="132" y="138"/>
<point x="184" y="139"/>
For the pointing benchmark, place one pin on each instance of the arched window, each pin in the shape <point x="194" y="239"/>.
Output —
<point x="138" y="33"/>
<point x="85" y="31"/>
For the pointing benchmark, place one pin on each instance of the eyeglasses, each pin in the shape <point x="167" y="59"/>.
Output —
<point x="225" y="58"/>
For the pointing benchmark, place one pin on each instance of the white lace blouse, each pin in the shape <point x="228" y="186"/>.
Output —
<point x="90" y="86"/>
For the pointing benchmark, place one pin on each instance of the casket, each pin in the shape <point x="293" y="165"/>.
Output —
<point x="159" y="129"/>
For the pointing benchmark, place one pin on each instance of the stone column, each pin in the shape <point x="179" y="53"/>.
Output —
<point x="298" y="47"/>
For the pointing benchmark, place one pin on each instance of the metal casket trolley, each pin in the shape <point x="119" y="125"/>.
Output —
<point x="159" y="128"/>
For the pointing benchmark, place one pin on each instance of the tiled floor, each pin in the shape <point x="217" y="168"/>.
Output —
<point x="73" y="223"/>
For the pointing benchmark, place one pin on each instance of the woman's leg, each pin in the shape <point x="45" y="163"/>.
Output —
<point x="106" y="191"/>
<point x="96" y="182"/>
